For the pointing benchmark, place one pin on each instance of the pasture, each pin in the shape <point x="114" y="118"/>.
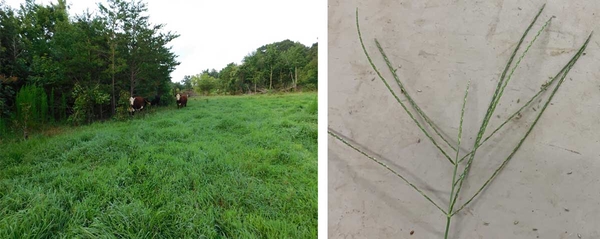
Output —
<point x="223" y="167"/>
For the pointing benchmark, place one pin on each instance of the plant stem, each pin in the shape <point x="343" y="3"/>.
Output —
<point x="448" y="219"/>
<point x="394" y="94"/>
<point x="460" y="127"/>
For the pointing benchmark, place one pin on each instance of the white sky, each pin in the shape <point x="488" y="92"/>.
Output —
<point x="217" y="32"/>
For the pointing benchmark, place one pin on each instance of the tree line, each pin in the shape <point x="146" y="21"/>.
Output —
<point x="58" y="67"/>
<point x="279" y="66"/>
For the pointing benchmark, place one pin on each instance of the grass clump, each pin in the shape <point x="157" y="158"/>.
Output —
<point x="453" y="158"/>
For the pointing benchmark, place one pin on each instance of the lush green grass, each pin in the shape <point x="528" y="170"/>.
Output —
<point x="234" y="167"/>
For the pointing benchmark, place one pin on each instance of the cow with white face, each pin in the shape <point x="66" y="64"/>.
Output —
<point x="181" y="100"/>
<point x="137" y="104"/>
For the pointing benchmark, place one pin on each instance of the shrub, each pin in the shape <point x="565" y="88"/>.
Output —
<point x="86" y="99"/>
<point x="35" y="99"/>
<point x="309" y="87"/>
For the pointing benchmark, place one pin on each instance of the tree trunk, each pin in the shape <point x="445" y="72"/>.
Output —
<point x="280" y="79"/>
<point x="132" y="83"/>
<point x="292" y="78"/>
<point x="271" y="79"/>
<point x="113" y="101"/>
<point x="296" y="77"/>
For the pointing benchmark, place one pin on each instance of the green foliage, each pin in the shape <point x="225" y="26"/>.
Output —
<point x="3" y="126"/>
<point x="33" y="98"/>
<point x="106" y="52"/>
<point x="310" y="74"/>
<point x="187" y="83"/>
<point x="170" y="175"/>
<point x="63" y="107"/>
<point x="167" y="100"/>
<point x="43" y="106"/>
<point x="6" y="93"/>
<point x="86" y="100"/>
<point x="309" y="87"/>
<point x="277" y="66"/>
<point x="81" y="107"/>
<point x="204" y="83"/>
<point x="123" y="106"/>
<point x="231" y="82"/>
<point x="52" y="106"/>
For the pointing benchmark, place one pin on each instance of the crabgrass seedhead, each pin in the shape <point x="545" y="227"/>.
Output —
<point x="457" y="183"/>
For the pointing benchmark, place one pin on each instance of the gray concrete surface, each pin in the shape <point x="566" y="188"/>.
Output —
<point x="550" y="189"/>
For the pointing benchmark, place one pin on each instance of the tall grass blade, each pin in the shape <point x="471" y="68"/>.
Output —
<point x="409" y="98"/>
<point x="394" y="94"/>
<point x="519" y="62"/>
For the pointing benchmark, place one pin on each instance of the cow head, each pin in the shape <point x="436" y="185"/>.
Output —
<point x="177" y="96"/>
<point x="130" y="109"/>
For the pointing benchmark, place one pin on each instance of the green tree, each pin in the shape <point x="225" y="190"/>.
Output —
<point x="295" y="58"/>
<point x="272" y="60"/>
<point x="204" y="83"/>
<point x="230" y="79"/>
<point x="187" y="82"/>
<point x="13" y="61"/>
<point x="310" y="74"/>
<point x="113" y="15"/>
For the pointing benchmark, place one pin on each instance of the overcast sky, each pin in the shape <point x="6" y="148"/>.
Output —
<point x="217" y="32"/>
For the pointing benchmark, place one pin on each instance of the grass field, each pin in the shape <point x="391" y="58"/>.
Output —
<point x="224" y="167"/>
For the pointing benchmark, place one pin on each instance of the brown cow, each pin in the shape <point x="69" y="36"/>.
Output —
<point x="181" y="100"/>
<point x="137" y="104"/>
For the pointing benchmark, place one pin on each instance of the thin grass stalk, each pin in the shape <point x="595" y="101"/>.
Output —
<point x="490" y="110"/>
<point x="394" y="94"/>
<point x="409" y="98"/>
<point x="542" y="89"/>
<point x="570" y="65"/>
<point x="519" y="62"/>
<point x="497" y="100"/>
<point x="516" y="65"/>
<point x="460" y="127"/>
<point x="386" y="167"/>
